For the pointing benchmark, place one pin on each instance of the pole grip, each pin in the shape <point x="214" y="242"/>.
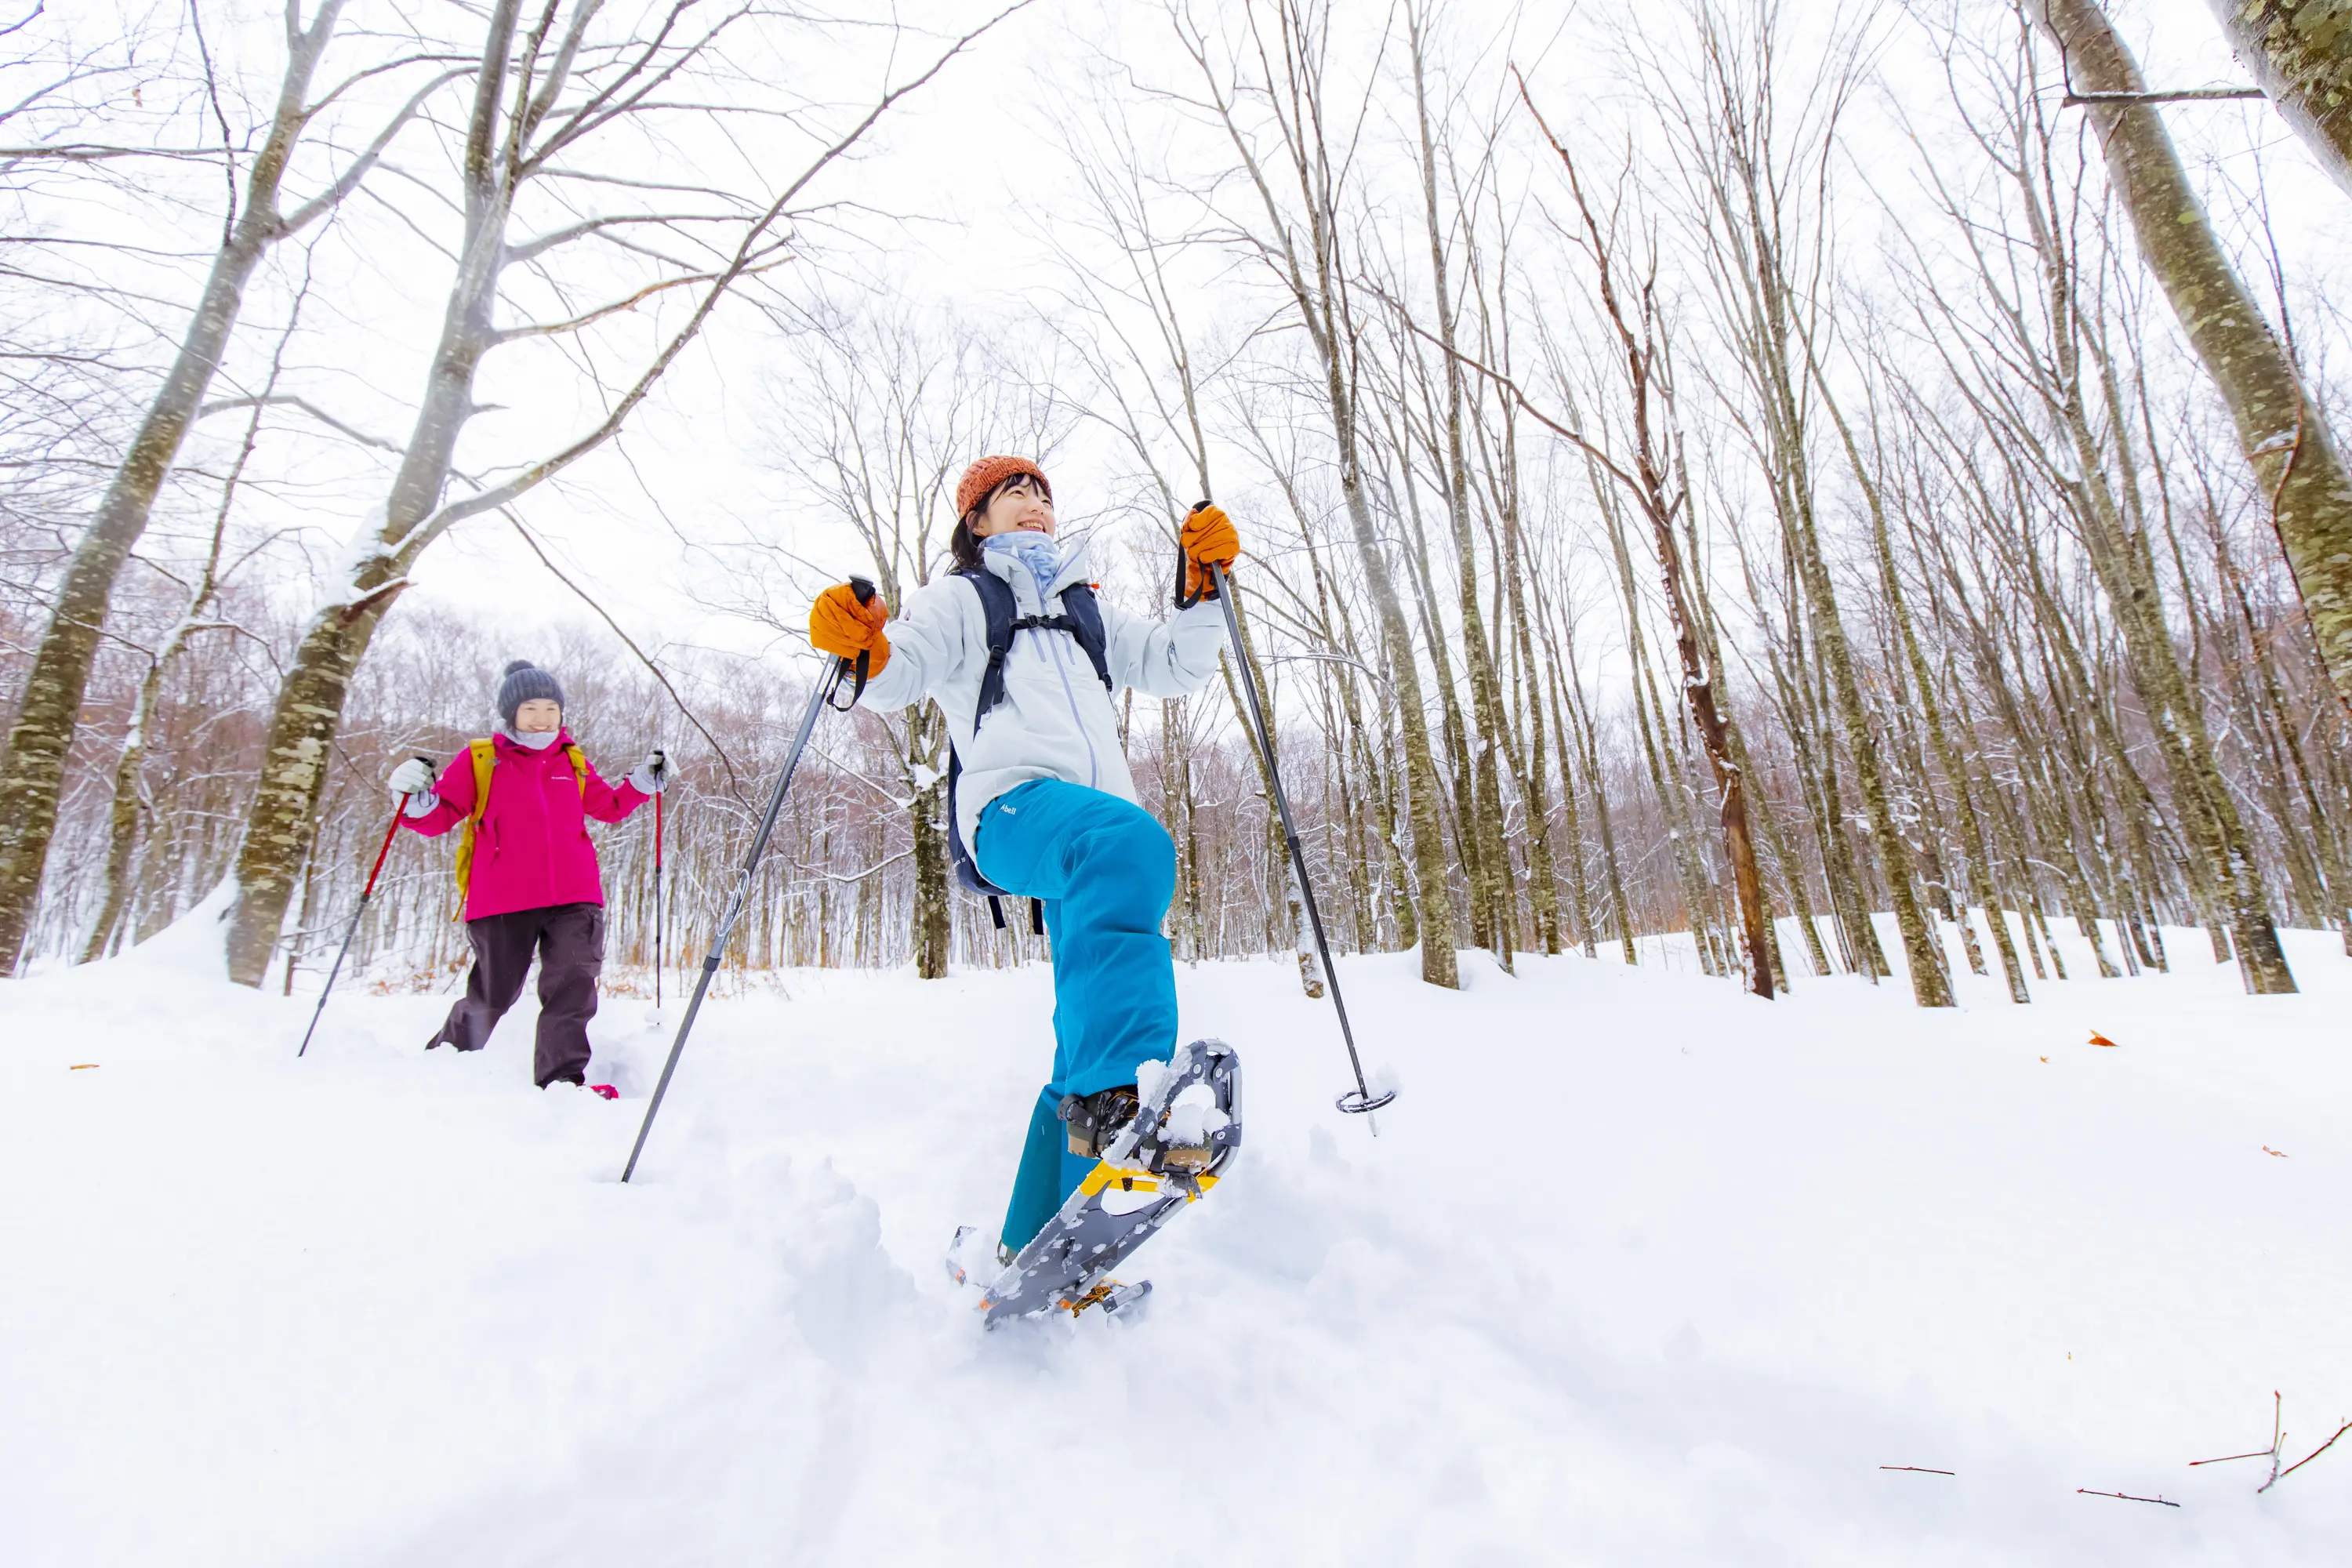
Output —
<point x="863" y="587"/>
<point x="1183" y="603"/>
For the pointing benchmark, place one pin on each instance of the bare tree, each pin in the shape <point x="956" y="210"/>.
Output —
<point x="545" y="98"/>
<point x="45" y="718"/>
<point x="879" y="418"/>
<point x="2286" y="440"/>
<point x="1651" y="479"/>
<point x="1297" y="239"/>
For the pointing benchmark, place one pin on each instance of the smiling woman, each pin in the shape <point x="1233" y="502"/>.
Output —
<point x="1013" y="494"/>
<point x="1023" y="659"/>
<point x="528" y="873"/>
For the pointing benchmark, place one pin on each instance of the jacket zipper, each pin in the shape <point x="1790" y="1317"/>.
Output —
<point x="547" y="822"/>
<point x="1062" y="669"/>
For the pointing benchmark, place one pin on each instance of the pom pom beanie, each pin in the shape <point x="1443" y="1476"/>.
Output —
<point x="524" y="682"/>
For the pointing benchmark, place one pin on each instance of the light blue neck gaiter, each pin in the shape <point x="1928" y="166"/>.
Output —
<point x="1034" y="551"/>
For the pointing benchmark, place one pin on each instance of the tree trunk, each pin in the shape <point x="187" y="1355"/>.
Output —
<point x="1972" y="838"/>
<point x="122" y="824"/>
<point x="43" y="732"/>
<point x="294" y="758"/>
<point x="2301" y="53"/>
<point x="2294" y="456"/>
<point x="934" y="922"/>
<point x="1288" y="909"/>
<point x="1579" y="888"/>
<point x="1434" y="901"/>
<point x="310" y="704"/>
<point x="1492" y="893"/>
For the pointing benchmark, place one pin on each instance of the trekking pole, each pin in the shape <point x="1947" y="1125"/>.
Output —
<point x="399" y="807"/>
<point x="1359" y="1100"/>
<point x="820" y="698"/>
<point x="658" y="896"/>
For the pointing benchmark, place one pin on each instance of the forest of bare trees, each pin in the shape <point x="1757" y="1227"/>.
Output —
<point x="1897" y="384"/>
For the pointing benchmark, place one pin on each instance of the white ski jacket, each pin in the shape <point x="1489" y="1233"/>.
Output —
<point x="1056" y="722"/>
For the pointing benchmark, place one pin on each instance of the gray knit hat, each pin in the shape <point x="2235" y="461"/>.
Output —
<point x="523" y="682"/>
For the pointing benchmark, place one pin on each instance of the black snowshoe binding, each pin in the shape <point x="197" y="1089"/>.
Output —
<point x="1155" y="1155"/>
<point x="1095" y="1118"/>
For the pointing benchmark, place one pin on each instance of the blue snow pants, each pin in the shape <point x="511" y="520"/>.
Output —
<point x="1105" y="870"/>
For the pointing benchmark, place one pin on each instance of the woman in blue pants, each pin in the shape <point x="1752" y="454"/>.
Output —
<point x="1044" y="801"/>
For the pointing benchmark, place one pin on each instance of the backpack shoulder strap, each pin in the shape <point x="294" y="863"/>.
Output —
<point x="486" y="755"/>
<point x="997" y="605"/>
<point x="579" y="767"/>
<point x="1079" y="605"/>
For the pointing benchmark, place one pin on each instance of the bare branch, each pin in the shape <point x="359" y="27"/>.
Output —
<point x="734" y="783"/>
<point x="328" y="199"/>
<point x="290" y="400"/>
<point x="552" y="329"/>
<point x="2189" y="95"/>
<point x="746" y="260"/>
<point x="533" y="250"/>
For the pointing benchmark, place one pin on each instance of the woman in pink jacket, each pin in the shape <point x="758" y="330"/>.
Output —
<point x="533" y="883"/>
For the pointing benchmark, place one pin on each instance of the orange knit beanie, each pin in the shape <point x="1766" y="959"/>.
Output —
<point x="989" y="472"/>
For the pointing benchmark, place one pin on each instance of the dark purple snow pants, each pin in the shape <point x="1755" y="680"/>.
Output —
<point x="569" y="942"/>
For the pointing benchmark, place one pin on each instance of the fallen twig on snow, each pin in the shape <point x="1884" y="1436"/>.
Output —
<point x="2086" y="1491"/>
<point x="2304" y="1460"/>
<point x="2269" y="1453"/>
<point x="1918" y="1469"/>
<point x="2276" y="1451"/>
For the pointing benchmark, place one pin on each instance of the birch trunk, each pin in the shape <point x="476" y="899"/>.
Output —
<point x="1316" y="281"/>
<point x="309" y="706"/>
<point x="2301" y="53"/>
<point x="46" y="717"/>
<point x="1492" y="894"/>
<point x="2287" y="441"/>
<point x="934" y="922"/>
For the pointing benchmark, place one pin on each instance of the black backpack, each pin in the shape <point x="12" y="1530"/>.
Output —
<point x="1081" y="617"/>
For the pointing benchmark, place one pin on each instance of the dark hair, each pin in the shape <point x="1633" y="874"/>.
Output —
<point x="963" y="542"/>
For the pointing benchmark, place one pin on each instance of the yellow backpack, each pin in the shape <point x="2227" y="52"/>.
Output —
<point x="486" y="754"/>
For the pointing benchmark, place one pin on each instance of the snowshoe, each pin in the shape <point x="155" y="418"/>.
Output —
<point x="968" y="1256"/>
<point x="1185" y="1130"/>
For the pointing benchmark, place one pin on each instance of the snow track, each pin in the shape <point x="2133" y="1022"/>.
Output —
<point x="1639" y="1272"/>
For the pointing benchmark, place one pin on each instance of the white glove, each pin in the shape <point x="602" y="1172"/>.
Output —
<point x="412" y="777"/>
<point x="651" y="774"/>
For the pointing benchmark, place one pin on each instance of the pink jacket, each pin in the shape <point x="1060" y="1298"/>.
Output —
<point x="533" y="851"/>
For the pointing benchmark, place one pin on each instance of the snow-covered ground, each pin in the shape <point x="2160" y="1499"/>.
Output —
<point x="1637" y="1271"/>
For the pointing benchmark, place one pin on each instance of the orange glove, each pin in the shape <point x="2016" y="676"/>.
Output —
<point x="840" y="626"/>
<point x="1208" y="539"/>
